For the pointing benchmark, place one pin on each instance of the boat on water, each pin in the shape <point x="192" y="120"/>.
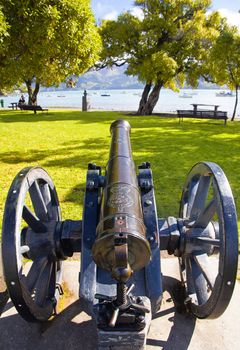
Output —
<point x="225" y="94"/>
<point x="105" y="95"/>
<point x="185" y="95"/>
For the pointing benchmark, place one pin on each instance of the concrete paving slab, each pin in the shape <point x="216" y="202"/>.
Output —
<point x="73" y="328"/>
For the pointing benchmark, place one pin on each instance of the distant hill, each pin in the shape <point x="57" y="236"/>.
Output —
<point x="114" y="78"/>
<point x="108" y="78"/>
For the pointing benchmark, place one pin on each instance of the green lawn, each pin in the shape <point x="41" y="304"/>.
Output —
<point x="64" y="142"/>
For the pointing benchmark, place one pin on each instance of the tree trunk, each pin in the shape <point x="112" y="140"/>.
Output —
<point x="32" y="94"/>
<point x="152" y="99"/>
<point x="29" y="89"/>
<point x="236" y="103"/>
<point x="144" y="98"/>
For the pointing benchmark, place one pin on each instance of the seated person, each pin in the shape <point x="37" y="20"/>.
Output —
<point x="21" y="101"/>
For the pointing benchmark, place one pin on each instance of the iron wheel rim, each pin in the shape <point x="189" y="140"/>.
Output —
<point x="39" y="306"/>
<point x="202" y="177"/>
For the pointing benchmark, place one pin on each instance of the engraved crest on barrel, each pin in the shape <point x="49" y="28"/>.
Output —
<point x="120" y="197"/>
<point x="121" y="217"/>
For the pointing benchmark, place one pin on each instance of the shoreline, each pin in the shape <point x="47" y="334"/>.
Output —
<point x="126" y="112"/>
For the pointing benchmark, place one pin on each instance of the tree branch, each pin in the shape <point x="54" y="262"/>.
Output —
<point x="102" y="65"/>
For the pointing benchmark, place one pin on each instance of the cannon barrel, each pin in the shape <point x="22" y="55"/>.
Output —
<point x="121" y="245"/>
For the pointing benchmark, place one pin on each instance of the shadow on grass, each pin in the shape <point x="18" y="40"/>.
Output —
<point x="63" y="154"/>
<point x="60" y="115"/>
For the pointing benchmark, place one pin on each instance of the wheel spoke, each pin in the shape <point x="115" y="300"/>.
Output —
<point x="46" y="194"/>
<point x="191" y="194"/>
<point x="200" y="197"/>
<point x="35" y="272"/>
<point x="38" y="202"/>
<point x="199" y="281"/>
<point x="32" y="221"/>
<point x="189" y="279"/>
<point x="209" y="241"/>
<point x="207" y="215"/>
<point x="203" y="263"/>
<point x="42" y="286"/>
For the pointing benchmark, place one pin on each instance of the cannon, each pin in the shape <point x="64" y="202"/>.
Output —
<point x="120" y="238"/>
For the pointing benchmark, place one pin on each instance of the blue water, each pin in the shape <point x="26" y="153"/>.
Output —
<point x="128" y="100"/>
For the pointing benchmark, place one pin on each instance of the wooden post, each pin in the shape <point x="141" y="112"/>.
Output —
<point x="195" y="110"/>
<point x="215" y="111"/>
<point x="84" y="101"/>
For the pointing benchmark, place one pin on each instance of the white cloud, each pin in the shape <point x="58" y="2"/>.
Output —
<point x="111" y="16"/>
<point x="137" y="12"/>
<point x="233" y="18"/>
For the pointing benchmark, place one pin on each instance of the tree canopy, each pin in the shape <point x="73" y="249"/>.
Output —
<point x="48" y="41"/>
<point x="161" y="48"/>
<point x="225" y="54"/>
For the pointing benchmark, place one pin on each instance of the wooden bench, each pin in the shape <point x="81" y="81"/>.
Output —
<point x="202" y="114"/>
<point x="32" y="108"/>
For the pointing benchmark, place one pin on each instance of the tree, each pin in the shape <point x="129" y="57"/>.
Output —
<point x="222" y="62"/>
<point x="48" y="41"/>
<point x="163" y="47"/>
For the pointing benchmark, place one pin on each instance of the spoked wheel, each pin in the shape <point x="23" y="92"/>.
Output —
<point x="31" y="269"/>
<point x="208" y="263"/>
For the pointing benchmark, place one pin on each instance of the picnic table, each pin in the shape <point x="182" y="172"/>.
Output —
<point x="14" y="105"/>
<point x="195" y="107"/>
<point x="213" y="113"/>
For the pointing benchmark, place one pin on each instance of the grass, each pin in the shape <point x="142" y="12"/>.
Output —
<point x="64" y="142"/>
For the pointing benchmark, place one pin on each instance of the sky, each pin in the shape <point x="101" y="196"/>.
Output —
<point x="109" y="9"/>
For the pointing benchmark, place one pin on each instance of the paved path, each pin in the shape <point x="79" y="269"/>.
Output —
<point x="73" y="329"/>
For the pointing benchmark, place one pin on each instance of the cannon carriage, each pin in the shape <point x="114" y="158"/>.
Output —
<point x="120" y="238"/>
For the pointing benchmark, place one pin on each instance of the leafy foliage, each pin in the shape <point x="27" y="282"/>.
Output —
<point x="48" y="40"/>
<point x="225" y="54"/>
<point x="3" y="27"/>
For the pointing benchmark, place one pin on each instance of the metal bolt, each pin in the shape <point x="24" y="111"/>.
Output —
<point x="229" y="283"/>
<point x="12" y="283"/>
<point x="90" y="184"/>
<point x="141" y="318"/>
<point x="151" y="239"/>
<point x="148" y="202"/>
